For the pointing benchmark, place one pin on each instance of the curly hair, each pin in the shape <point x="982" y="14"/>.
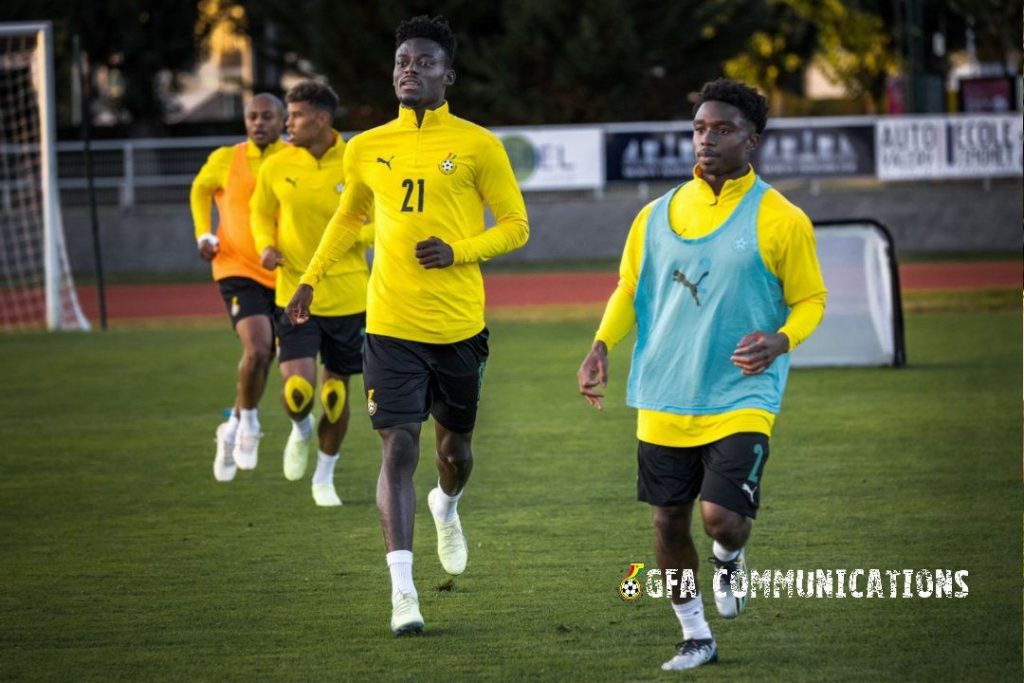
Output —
<point x="751" y="103"/>
<point x="431" y="28"/>
<point x="314" y="93"/>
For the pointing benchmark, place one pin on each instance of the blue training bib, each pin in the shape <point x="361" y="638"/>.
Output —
<point x="695" y="300"/>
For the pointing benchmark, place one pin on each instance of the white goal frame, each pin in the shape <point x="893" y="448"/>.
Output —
<point x="863" y="323"/>
<point x="55" y="260"/>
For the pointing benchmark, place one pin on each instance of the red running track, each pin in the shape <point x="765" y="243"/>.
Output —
<point x="544" y="289"/>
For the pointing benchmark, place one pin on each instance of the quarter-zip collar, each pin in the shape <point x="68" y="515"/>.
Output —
<point x="431" y="117"/>
<point x="732" y="190"/>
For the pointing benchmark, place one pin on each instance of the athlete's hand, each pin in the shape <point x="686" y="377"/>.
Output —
<point x="434" y="253"/>
<point x="298" y="307"/>
<point x="758" y="350"/>
<point x="593" y="373"/>
<point x="271" y="258"/>
<point x="209" y="245"/>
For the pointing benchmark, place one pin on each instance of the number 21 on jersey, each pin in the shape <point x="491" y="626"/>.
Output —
<point x="413" y="195"/>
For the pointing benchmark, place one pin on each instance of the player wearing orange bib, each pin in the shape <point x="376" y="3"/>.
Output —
<point x="228" y="178"/>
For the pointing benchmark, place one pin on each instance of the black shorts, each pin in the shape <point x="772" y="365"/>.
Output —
<point x="244" y="297"/>
<point x="726" y="472"/>
<point x="406" y="381"/>
<point x="337" y="338"/>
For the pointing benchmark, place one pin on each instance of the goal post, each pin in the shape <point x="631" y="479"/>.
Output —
<point x="36" y="287"/>
<point x="863" y="323"/>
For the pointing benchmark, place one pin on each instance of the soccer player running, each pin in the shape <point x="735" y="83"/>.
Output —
<point x="296" y="194"/>
<point x="721" y="277"/>
<point x="428" y="174"/>
<point x="228" y="178"/>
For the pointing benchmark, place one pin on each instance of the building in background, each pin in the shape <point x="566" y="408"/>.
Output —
<point x="215" y="91"/>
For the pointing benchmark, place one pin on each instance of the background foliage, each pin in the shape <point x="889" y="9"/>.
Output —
<point x="537" y="61"/>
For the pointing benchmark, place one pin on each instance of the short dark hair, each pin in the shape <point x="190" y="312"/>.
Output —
<point x="751" y="103"/>
<point x="431" y="28"/>
<point x="319" y="95"/>
<point x="270" y="97"/>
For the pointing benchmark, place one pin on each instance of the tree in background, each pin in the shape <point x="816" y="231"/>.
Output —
<point x="851" y="45"/>
<point x="555" y="61"/>
<point x="996" y="25"/>
<point x="776" y="57"/>
<point x="532" y="61"/>
<point x="140" y="46"/>
<point x="855" y="47"/>
<point x="552" y="62"/>
<point x="349" y="44"/>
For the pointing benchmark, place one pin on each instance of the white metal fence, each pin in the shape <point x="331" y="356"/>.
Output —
<point x="160" y="170"/>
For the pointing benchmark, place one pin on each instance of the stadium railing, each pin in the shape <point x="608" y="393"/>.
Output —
<point x="160" y="170"/>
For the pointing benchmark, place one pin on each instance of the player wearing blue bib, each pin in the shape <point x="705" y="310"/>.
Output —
<point x="721" y="277"/>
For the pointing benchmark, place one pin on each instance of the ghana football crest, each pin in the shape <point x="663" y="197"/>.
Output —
<point x="448" y="166"/>
<point x="371" y="405"/>
<point x="630" y="588"/>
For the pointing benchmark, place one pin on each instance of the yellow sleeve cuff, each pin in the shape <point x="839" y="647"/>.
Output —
<point x="342" y="232"/>
<point x="804" y="317"/>
<point x="619" y="317"/>
<point x="508" y="235"/>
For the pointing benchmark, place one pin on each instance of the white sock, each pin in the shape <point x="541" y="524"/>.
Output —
<point x="723" y="553"/>
<point x="249" y="420"/>
<point x="400" y="564"/>
<point x="324" y="473"/>
<point x="233" y="425"/>
<point x="303" y="427"/>
<point x="446" y="505"/>
<point x="691" y="618"/>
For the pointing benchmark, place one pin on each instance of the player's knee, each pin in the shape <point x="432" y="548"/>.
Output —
<point x="723" y="524"/>
<point x="672" y="524"/>
<point x="455" y="457"/>
<point x="712" y="526"/>
<point x="454" y="449"/>
<point x="298" y="393"/>
<point x="401" y="447"/>
<point x="258" y="357"/>
<point x="332" y="397"/>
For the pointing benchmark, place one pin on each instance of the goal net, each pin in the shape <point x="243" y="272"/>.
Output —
<point x="36" y="289"/>
<point x="863" y="324"/>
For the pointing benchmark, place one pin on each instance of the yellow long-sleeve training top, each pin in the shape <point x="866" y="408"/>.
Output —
<point x="786" y="242"/>
<point x="228" y="177"/>
<point x="295" y="196"/>
<point x="427" y="180"/>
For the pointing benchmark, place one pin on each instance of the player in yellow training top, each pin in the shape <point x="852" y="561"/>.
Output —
<point x="428" y="174"/>
<point x="296" y="193"/>
<point x="228" y="177"/>
<point x="721" y="277"/>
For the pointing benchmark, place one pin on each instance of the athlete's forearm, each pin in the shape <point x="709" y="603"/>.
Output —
<point x="619" y="317"/>
<point x="264" y="230"/>
<point x="199" y="199"/>
<point x="508" y="235"/>
<point x="803" y="319"/>
<point x="367" y="234"/>
<point x="342" y="232"/>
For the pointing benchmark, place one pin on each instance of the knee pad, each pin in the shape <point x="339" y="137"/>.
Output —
<point x="298" y="393"/>
<point x="332" y="396"/>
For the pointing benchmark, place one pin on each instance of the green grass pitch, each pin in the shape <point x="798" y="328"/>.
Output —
<point x="122" y="559"/>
